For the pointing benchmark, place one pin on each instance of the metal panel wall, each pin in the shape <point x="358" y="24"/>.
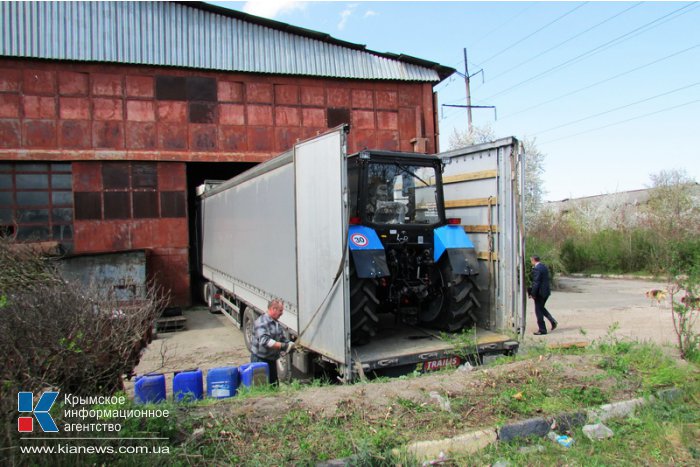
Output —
<point x="321" y="206"/>
<point x="483" y="188"/>
<point x="171" y="34"/>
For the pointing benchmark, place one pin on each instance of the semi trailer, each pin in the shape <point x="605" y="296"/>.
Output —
<point x="378" y="256"/>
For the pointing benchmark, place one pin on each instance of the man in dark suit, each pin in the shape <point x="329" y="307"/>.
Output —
<point x="540" y="292"/>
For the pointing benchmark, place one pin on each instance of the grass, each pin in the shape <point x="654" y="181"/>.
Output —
<point x="538" y="382"/>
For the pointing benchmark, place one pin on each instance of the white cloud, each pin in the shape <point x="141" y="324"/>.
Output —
<point x="271" y="8"/>
<point x="345" y="15"/>
<point x="369" y="13"/>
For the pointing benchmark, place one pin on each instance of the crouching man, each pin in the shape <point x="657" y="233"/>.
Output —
<point x="268" y="338"/>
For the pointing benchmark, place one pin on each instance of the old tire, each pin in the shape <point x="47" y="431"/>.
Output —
<point x="249" y="317"/>
<point x="459" y="301"/>
<point x="364" y="319"/>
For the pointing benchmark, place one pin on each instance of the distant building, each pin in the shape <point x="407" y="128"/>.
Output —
<point x="111" y="113"/>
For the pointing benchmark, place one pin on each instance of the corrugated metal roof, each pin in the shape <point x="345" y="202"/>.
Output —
<point x="193" y="35"/>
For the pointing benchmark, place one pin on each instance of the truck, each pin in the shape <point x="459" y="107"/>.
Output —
<point x="379" y="257"/>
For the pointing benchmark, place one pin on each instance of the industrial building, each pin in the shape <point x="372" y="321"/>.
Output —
<point x="111" y="113"/>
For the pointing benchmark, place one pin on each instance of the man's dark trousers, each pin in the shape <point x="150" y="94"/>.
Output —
<point x="541" y="313"/>
<point x="271" y="364"/>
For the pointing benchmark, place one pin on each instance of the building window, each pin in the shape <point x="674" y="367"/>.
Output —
<point x="36" y="201"/>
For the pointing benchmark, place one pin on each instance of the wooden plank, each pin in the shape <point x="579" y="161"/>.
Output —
<point x="568" y="345"/>
<point x="485" y="255"/>
<point x="480" y="228"/>
<point x="465" y="177"/>
<point x="470" y="203"/>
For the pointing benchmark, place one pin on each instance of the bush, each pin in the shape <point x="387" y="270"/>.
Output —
<point x="60" y="335"/>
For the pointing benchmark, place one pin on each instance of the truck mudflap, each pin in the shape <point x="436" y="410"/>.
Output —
<point x="367" y="252"/>
<point x="460" y="249"/>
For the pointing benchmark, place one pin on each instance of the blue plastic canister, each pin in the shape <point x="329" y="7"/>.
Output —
<point x="222" y="382"/>
<point x="149" y="388"/>
<point x="187" y="385"/>
<point x="254" y="374"/>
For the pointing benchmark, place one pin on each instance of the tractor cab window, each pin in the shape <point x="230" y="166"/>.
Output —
<point x="401" y="194"/>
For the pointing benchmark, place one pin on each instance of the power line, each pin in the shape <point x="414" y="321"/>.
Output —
<point x="566" y="41"/>
<point x="554" y="99"/>
<point x="519" y="41"/>
<point x="502" y="24"/>
<point x="616" y="41"/>
<point x="623" y="121"/>
<point x="617" y="108"/>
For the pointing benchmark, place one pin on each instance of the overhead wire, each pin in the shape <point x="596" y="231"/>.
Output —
<point x="565" y="41"/>
<point x="519" y="41"/>
<point x="502" y="24"/>
<point x="613" y="42"/>
<point x="597" y="83"/>
<point x="647" y="99"/>
<point x="623" y="121"/>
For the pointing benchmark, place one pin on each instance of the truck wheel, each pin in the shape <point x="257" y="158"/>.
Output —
<point x="459" y="302"/>
<point x="249" y="317"/>
<point x="209" y="292"/>
<point x="364" y="319"/>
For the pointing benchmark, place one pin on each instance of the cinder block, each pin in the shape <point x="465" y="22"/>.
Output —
<point x="362" y="99"/>
<point x="387" y="99"/>
<point x="172" y="111"/>
<point x="75" y="134"/>
<point x="140" y="86"/>
<point x="140" y="111"/>
<point x="230" y="91"/>
<point x="107" y="85"/>
<point x="72" y="83"/>
<point x="286" y="94"/>
<point x="172" y="136"/>
<point x="108" y="109"/>
<point x="363" y="119"/>
<point x="615" y="410"/>
<point x="670" y="394"/>
<point x="10" y="134"/>
<point x="39" y="82"/>
<point x="140" y="135"/>
<point x="108" y="135"/>
<point x="260" y="93"/>
<point x="531" y="427"/>
<point x="9" y="106"/>
<point x="287" y="116"/>
<point x="313" y="117"/>
<point x="259" y="115"/>
<point x="10" y="80"/>
<point x="39" y="133"/>
<point x="233" y="138"/>
<point x="203" y="138"/>
<point x="468" y="443"/>
<point x="231" y="114"/>
<point x="39" y="106"/>
<point x="388" y="120"/>
<point x="313" y="95"/>
<point x="260" y="139"/>
<point x="569" y="421"/>
<point x="338" y="97"/>
<point x="74" y="108"/>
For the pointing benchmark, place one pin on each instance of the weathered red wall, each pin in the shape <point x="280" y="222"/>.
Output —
<point x="85" y="112"/>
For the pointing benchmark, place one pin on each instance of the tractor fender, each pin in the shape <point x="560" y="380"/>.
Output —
<point x="460" y="250"/>
<point x="367" y="252"/>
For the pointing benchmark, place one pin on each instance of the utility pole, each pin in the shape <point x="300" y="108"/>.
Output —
<point x="469" y="92"/>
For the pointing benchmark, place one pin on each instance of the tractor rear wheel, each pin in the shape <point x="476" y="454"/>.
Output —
<point x="364" y="319"/>
<point x="459" y="302"/>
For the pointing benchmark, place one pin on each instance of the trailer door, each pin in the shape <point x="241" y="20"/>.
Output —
<point x="321" y="222"/>
<point x="483" y="187"/>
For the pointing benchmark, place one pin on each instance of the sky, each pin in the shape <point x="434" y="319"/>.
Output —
<point x="610" y="91"/>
